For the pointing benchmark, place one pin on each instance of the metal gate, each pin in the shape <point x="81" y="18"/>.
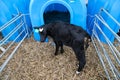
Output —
<point x="108" y="52"/>
<point x="6" y="43"/>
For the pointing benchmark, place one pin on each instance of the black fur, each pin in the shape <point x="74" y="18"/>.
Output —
<point x="69" y="35"/>
<point x="118" y="33"/>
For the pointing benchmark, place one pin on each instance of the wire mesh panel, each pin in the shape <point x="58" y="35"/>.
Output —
<point x="108" y="51"/>
<point x="8" y="46"/>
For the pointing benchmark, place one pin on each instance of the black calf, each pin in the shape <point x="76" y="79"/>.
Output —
<point x="67" y="34"/>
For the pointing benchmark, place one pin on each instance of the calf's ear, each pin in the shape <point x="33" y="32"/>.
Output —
<point x="41" y="29"/>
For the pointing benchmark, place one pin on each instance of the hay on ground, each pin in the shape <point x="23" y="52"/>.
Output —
<point x="36" y="61"/>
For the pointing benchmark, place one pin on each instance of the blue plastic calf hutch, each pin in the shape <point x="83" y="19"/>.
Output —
<point x="76" y="8"/>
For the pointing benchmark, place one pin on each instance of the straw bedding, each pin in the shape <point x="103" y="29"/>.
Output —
<point x="36" y="61"/>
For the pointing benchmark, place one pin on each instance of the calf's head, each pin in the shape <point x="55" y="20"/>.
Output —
<point x="42" y="32"/>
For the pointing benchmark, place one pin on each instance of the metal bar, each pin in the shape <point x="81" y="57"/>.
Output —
<point x="10" y="22"/>
<point x="106" y="55"/>
<point x="28" y="29"/>
<point x="11" y="55"/>
<point x="25" y="25"/>
<point x="11" y="33"/>
<point x="11" y="43"/>
<point x="118" y="53"/>
<point x="106" y="25"/>
<point x="101" y="59"/>
<point x="14" y="30"/>
<point x="111" y="17"/>
<point x="109" y="43"/>
<point x="116" y="71"/>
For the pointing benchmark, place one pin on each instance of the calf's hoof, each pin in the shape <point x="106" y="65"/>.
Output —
<point x="77" y="72"/>
<point x="55" y="54"/>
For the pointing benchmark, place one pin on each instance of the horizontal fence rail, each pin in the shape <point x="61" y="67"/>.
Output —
<point x="5" y="44"/>
<point x="108" y="53"/>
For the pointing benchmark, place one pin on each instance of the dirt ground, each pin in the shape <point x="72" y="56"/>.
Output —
<point x="36" y="61"/>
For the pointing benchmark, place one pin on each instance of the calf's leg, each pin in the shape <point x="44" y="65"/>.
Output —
<point x="57" y="47"/>
<point x="61" y="45"/>
<point x="78" y="47"/>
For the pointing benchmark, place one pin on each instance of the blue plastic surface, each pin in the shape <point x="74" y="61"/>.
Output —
<point x="112" y="6"/>
<point x="94" y="7"/>
<point x="113" y="9"/>
<point x="56" y="7"/>
<point x="10" y="10"/>
<point x="19" y="6"/>
<point x="5" y="16"/>
<point x="76" y="8"/>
